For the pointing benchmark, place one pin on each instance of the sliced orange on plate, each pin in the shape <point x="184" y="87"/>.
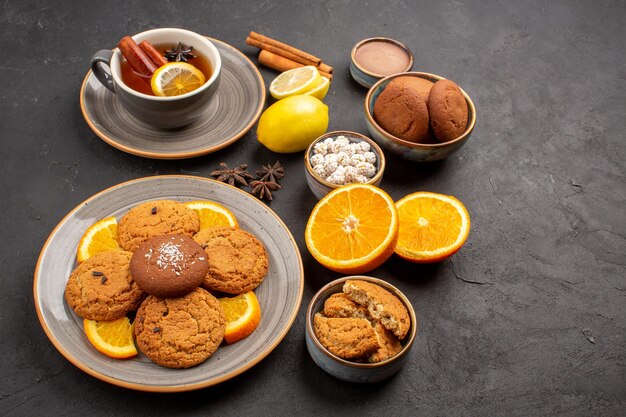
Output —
<point x="212" y="214"/>
<point x="100" y="237"/>
<point x="113" y="338"/>
<point x="243" y="315"/>
<point x="176" y="78"/>
<point x="353" y="229"/>
<point x="432" y="226"/>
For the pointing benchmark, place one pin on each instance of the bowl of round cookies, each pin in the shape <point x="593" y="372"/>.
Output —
<point x="419" y="116"/>
<point x="360" y="329"/>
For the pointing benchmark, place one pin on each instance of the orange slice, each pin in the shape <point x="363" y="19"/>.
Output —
<point x="113" y="338"/>
<point x="212" y="214"/>
<point x="353" y="229"/>
<point x="176" y="78"/>
<point x="243" y="315"/>
<point x="100" y="237"/>
<point x="432" y="226"/>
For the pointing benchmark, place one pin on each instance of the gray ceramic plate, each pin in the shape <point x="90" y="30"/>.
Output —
<point x="237" y="107"/>
<point x="279" y="295"/>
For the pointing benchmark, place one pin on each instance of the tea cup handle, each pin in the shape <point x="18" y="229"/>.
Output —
<point x="103" y="72"/>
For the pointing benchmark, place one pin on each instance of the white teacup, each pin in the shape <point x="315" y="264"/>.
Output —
<point x="161" y="112"/>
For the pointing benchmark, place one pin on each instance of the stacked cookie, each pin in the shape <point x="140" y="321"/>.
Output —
<point x="364" y="323"/>
<point x="419" y="111"/>
<point x="166" y="272"/>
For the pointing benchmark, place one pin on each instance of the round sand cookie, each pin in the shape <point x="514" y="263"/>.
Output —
<point x="154" y="218"/>
<point x="180" y="332"/>
<point x="448" y="110"/>
<point x="347" y="337"/>
<point x="237" y="260"/>
<point x="169" y="265"/>
<point x="381" y="304"/>
<point x="420" y="85"/>
<point x="101" y="288"/>
<point x="400" y="111"/>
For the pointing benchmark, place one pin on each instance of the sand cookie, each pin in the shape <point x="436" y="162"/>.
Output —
<point x="388" y="342"/>
<point x="419" y="85"/>
<point x="169" y="265"/>
<point x="154" y="218"/>
<point x="400" y="111"/>
<point x="180" y="332"/>
<point x="381" y="304"/>
<point x="339" y="305"/>
<point x="101" y="288"/>
<point x="238" y="261"/>
<point x="448" y="110"/>
<point x="348" y="338"/>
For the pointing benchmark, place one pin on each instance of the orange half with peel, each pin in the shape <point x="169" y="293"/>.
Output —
<point x="432" y="227"/>
<point x="353" y="229"/>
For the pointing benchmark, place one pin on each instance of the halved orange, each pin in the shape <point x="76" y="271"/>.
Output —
<point x="212" y="214"/>
<point x="353" y="229"/>
<point x="243" y="315"/>
<point x="100" y="237"/>
<point x="113" y="338"/>
<point x="432" y="226"/>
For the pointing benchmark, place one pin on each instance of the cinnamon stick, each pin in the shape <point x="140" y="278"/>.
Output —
<point x="136" y="57"/>
<point x="154" y="55"/>
<point x="269" y="41"/>
<point x="279" y="51"/>
<point x="325" y="68"/>
<point x="279" y="63"/>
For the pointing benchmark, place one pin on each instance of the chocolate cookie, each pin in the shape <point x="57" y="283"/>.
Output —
<point x="420" y="85"/>
<point x="169" y="265"/>
<point x="237" y="260"/>
<point x="101" y="288"/>
<point x="401" y="112"/>
<point x="381" y="304"/>
<point x="448" y="110"/>
<point x="348" y="338"/>
<point x="154" y="218"/>
<point x="180" y="332"/>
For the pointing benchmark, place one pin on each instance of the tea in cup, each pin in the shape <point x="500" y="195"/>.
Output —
<point x="144" y="69"/>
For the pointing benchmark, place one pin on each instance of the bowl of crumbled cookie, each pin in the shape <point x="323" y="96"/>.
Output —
<point x="342" y="157"/>
<point x="419" y="116"/>
<point x="360" y="329"/>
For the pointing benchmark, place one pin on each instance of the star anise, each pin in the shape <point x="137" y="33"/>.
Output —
<point x="232" y="176"/>
<point x="179" y="53"/>
<point x="263" y="189"/>
<point x="271" y="172"/>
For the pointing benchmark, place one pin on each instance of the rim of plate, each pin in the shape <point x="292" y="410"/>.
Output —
<point x="84" y="367"/>
<point x="178" y="155"/>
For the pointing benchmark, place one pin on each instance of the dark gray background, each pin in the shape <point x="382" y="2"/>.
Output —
<point x="527" y="319"/>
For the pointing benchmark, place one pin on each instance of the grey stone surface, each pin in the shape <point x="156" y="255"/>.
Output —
<point x="529" y="318"/>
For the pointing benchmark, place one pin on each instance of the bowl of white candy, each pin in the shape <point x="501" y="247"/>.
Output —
<point x="342" y="157"/>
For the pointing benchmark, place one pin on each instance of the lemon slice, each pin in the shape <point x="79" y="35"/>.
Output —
<point x="321" y="90"/>
<point x="176" y="78"/>
<point x="100" y="237"/>
<point x="212" y="214"/>
<point x="243" y="315"/>
<point x="294" y="82"/>
<point x="113" y="338"/>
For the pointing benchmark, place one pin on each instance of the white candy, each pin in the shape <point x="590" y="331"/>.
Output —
<point x="370" y="157"/>
<point x="317" y="159"/>
<point x="341" y="162"/>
